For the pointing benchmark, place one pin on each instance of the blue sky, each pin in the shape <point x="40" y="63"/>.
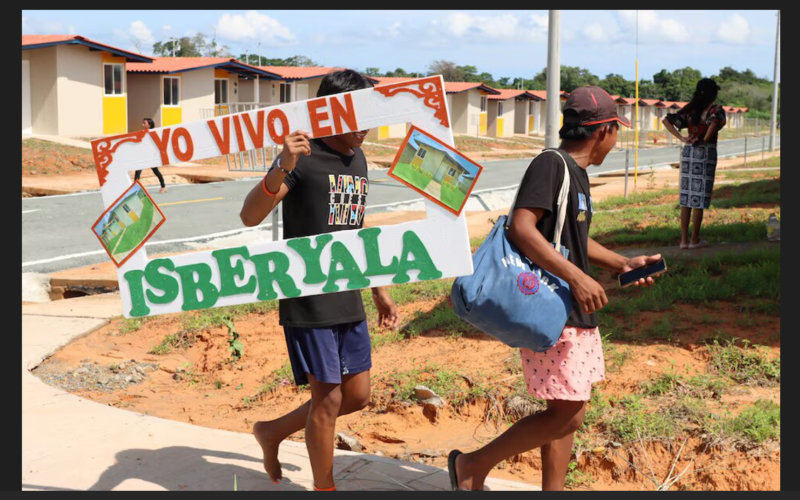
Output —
<point x="504" y="43"/>
<point x="417" y="137"/>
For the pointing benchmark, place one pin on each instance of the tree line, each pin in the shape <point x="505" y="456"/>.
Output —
<point x="739" y="88"/>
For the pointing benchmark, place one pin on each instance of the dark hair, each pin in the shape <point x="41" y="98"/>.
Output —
<point x="704" y="94"/>
<point x="344" y="80"/>
<point x="150" y="122"/>
<point x="577" y="132"/>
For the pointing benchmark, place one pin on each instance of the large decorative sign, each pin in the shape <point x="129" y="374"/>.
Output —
<point x="435" y="170"/>
<point x="437" y="247"/>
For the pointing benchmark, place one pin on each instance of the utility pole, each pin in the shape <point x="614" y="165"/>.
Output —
<point x="772" y="129"/>
<point x="553" y="79"/>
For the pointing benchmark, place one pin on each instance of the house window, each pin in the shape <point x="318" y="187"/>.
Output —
<point x="483" y="104"/>
<point x="221" y="91"/>
<point x="112" y="79"/>
<point x="499" y="109"/>
<point x="172" y="93"/>
<point x="452" y="172"/>
<point x="421" y="153"/>
<point x="530" y="108"/>
<point x="286" y="92"/>
<point x="125" y="207"/>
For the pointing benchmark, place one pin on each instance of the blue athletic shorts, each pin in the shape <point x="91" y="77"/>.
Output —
<point x="330" y="352"/>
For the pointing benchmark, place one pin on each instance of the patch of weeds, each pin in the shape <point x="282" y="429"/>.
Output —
<point x="632" y="419"/>
<point x="279" y="377"/>
<point x="615" y="355"/>
<point x="708" y="386"/>
<point x="235" y="346"/>
<point x="748" y="364"/>
<point x="456" y="388"/>
<point x="130" y="325"/>
<point x="173" y="341"/>
<point x="218" y="384"/>
<point x="663" y="384"/>
<point x="755" y="425"/>
<point x="442" y="318"/>
<point x="576" y="477"/>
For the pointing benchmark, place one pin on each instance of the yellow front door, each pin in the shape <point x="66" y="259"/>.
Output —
<point x="133" y="216"/>
<point x="383" y="132"/>
<point x="483" y="124"/>
<point x="500" y="127"/>
<point x="115" y="100"/>
<point x="530" y="124"/>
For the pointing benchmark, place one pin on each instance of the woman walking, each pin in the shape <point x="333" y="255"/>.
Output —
<point x="703" y="118"/>
<point x="148" y="124"/>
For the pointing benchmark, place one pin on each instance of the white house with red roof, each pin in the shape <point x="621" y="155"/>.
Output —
<point x="74" y="87"/>
<point x="509" y="112"/>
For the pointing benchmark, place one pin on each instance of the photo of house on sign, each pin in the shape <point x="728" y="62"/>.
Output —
<point x="128" y="223"/>
<point x="435" y="170"/>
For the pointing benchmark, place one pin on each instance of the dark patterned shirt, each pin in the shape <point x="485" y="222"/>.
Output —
<point x="697" y="129"/>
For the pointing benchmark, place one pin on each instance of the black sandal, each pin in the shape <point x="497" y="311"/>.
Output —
<point x="451" y="470"/>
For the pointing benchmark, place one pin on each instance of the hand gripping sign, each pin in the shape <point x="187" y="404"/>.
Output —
<point x="437" y="247"/>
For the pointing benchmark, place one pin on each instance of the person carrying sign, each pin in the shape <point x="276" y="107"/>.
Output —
<point x="323" y="185"/>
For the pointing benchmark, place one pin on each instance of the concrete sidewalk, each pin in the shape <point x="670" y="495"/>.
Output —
<point x="70" y="443"/>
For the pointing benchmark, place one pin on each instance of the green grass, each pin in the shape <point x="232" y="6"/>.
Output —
<point x="755" y="425"/>
<point x="638" y="222"/>
<point x="448" y="384"/>
<point x="746" y="364"/>
<point x="452" y="197"/>
<point x="735" y="175"/>
<point x="418" y="179"/>
<point x="167" y="345"/>
<point x="632" y="419"/>
<point x="136" y="232"/>
<point x="130" y="325"/>
<point x="742" y="195"/>
<point x="441" y="318"/>
<point x="577" y="478"/>
<point x="751" y="278"/>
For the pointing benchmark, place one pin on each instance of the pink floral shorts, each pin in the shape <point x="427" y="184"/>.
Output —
<point x="567" y="370"/>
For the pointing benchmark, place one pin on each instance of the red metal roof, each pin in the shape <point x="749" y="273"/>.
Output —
<point x="178" y="64"/>
<point x="298" y="72"/>
<point x="457" y="87"/>
<point x="542" y="94"/>
<point x="385" y="80"/>
<point x="648" y="102"/>
<point x="504" y="94"/>
<point x="41" y="41"/>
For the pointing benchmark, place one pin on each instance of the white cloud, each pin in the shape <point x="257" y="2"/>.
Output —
<point x="652" y="27"/>
<point x="141" y="33"/>
<point x="596" y="33"/>
<point x="734" y="30"/>
<point x="253" y="27"/>
<point x="35" y="26"/>
<point x="493" y="27"/>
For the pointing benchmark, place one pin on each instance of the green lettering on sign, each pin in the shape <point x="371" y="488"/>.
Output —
<point x="138" y="304"/>
<point x="373" y="251"/>
<point x="280" y="275"/>
<point x="228" y="273"/>
<point x="340" y="256"/>
<point x="161" y="281"/>
<point x="310" y="256"/>
<point x="191" y="287"/>
<point x="412" y="245"/>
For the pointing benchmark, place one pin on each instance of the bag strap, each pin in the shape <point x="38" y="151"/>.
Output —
<point x="561" y="203"/>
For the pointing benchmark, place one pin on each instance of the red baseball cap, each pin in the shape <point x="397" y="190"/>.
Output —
<point x="591" y="105"/>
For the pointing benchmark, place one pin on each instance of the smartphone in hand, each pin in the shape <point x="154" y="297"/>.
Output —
<point x="631" y="277"/>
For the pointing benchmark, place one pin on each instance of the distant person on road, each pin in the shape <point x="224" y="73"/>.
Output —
<point x="326" y="335"/>
<point x="704" y="119"/>
<point x="562" y="375"/>
<point x="148" y="124"/>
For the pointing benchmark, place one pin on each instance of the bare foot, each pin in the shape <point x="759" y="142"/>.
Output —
<point x="270" y="448"/>
<point x="162" y="190"/>
<point x="466" y="480"/>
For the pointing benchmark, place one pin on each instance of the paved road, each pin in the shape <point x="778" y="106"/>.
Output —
<point x="56" y="232"/>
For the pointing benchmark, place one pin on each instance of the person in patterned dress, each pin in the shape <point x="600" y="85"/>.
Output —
<point x="703" y="119"/>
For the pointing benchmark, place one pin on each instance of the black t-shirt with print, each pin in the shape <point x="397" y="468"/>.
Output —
<point x="327" y="193"/>
<point x="539" y="189"/>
